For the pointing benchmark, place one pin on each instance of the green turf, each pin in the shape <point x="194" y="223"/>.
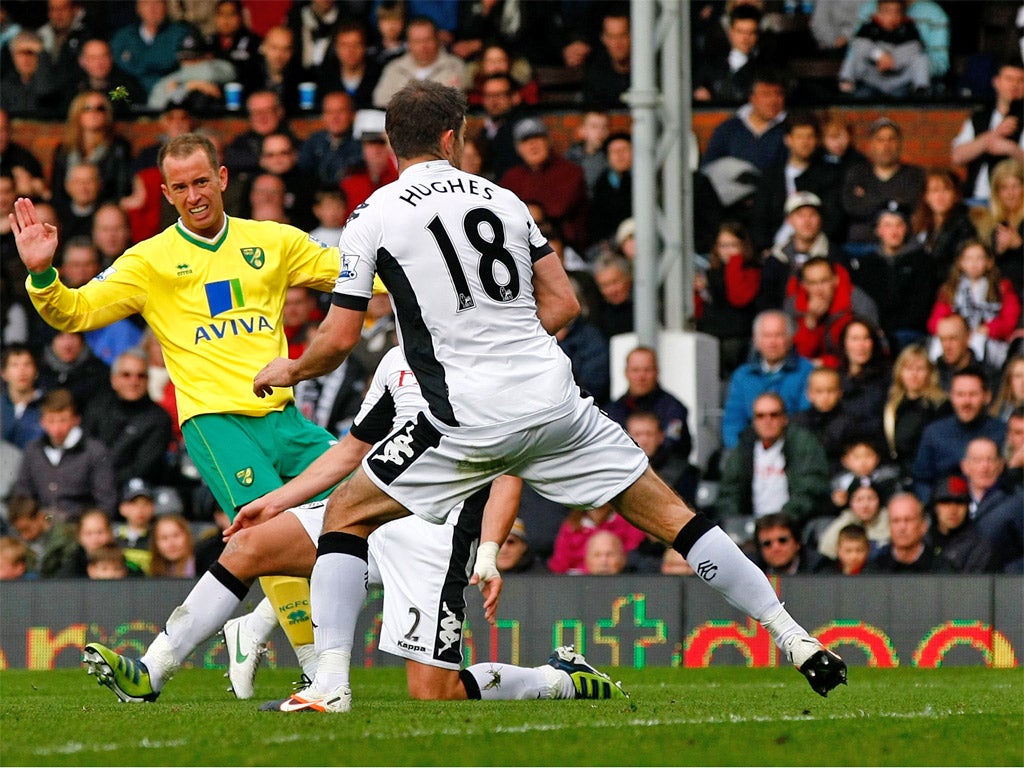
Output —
<point x="720" y="716"/>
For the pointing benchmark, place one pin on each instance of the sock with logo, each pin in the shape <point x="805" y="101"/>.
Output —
<point x="211" y="602"/>
<point x="504" y="682"/>
<point x="338" y="589"/>
<point x="723" y="567"/>
<point x="290" y="597"/>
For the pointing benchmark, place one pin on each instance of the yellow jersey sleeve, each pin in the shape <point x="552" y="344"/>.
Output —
<point x="215" y="306"/>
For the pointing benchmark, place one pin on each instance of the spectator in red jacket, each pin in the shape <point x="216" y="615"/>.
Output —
<point x="823" y="305"/>
<point x="977" y="291"/>
<point x="378" y="167"/>
<point x="545" y="177"/>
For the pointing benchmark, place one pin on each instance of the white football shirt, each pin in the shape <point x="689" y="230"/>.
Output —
<point x="456" y="253"/>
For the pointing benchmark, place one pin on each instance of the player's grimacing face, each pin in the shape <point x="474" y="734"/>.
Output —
<point x="196" y="190"/>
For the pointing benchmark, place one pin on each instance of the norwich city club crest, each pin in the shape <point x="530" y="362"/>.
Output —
<point x="244" y="476"/>
<point x="254" y="256"/>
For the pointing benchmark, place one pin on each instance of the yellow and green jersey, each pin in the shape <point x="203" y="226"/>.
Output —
<point x="214" y="305"/>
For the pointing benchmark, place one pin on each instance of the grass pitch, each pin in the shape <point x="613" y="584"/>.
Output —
<point x="718" y="716"/>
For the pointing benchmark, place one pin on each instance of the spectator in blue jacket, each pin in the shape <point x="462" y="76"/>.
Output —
<point x="755" y="133"/>
<point x="149" y="50"/>
<point x="20" y="396"/>
<point x="773" y="367"/>
<point x="644" y="393"/>
<point x="944" y="442"/>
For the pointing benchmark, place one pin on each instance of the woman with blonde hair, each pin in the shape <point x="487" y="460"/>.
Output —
<point x="915" y="401"/>
<point x="171" y="548"/>
<point x="1002" y="226"/>
<point x="1010" y="394"/>
<point x="90" y="136"/>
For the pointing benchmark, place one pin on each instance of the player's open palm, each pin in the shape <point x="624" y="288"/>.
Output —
<point x="36" y="240"/>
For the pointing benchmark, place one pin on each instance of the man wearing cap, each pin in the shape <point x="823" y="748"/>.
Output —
<point x="515" y="555"/>
<point x="378" y="165"/>
<point x="801" y="170"/>
<point x="138" y="508"/>
<point x="782" y="266"/>
<point x="953" y="535"/>
<point x="899" y="276"/>
<point x="544" y="177"/>
<point x="870" y="186"/>
<point x="197" y="81"/>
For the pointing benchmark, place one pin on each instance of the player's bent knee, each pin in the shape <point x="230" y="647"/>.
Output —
<point x="241" y="555"/>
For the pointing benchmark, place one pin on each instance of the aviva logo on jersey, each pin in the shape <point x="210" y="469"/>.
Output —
<point x="222" y="296"/>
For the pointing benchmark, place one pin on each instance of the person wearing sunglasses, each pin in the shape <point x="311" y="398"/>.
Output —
<point x="776" y="467"/>
<point x="780" y="551"/>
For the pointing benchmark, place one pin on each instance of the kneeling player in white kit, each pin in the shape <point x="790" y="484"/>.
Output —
<point x="424" y="569"/>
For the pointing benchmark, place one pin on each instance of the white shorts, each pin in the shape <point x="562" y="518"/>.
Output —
<point x="424" y="569"/>
<point x="581" y="459"/>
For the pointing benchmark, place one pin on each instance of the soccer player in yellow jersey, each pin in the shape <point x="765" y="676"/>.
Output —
<point x="212" y="288"/>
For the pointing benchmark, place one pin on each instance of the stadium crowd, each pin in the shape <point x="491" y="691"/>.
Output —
<point x="868" y="311"/>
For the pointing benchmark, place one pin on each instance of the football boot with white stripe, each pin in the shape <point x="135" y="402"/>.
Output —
<point x="311" y="700"/>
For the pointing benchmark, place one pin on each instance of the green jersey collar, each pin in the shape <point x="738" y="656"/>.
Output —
<point x="202" y="242"/>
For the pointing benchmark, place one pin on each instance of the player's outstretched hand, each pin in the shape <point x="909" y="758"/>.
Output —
<point x="276" y="373"/>
<point x="35" y="239"/>
<point x="253" y="513"/>
<point x="486" y="575"/>
<point x="491" y="590"/>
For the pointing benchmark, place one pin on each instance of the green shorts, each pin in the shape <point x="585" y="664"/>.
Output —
<point x="243" y="457"/>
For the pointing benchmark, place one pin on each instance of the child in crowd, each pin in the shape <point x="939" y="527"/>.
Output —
<point x="588" y="151"/>
<point x="886" y="58"/>
<point x="865" y="510"/>
<point x="138" y="507"/>
<point x="391" y="31"/>
<point x="13" y="559"/>
<point x="107" y="562"/>
<point x="976" y="291"/>
<point x="861" y="462"/>
<point x="330" y="207"/>
<point x="47" y="540"/>
<point x="853" y="549"/>
<point x="827" y="418"/>
<point x="94" y="531"/>
<point x="571" y="542"/>
<point x="171" y="549"/>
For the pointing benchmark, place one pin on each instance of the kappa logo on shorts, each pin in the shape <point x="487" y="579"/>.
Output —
<point x="398" y="448"/>
<point x="451" y="629"/>
<point x="255" y="257"/>
<point x="245" y="476"/>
